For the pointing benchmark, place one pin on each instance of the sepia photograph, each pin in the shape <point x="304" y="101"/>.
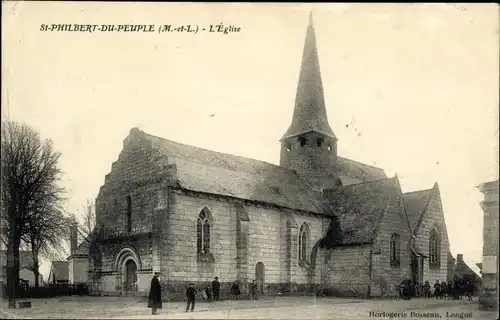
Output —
<point x="249" y="160"/>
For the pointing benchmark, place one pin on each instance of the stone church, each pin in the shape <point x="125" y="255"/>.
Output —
<point x="316" y="221"/>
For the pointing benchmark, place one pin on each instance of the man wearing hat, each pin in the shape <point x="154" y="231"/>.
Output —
<point x="154" y="301"/>
<point x="216" y="288"/>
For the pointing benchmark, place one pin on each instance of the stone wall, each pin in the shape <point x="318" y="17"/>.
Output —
<point x="238" y="242"/>
<point x="305" y="272"/>
<point x="139" y="173"/>
<point x="347" y="270"/>
<point x="434" y="217"/>
<point x="314" y="163"/>
<point x="78" y="269"/>
<point x="179" y="239"/>
<point x="386" y="277"/>
<point x="114" y="254"/>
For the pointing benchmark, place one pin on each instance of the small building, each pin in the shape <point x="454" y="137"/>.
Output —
<point x="463" y="271"/>
<point x="59" y="272"/>
<point x="488" y="299"/>
<point x="78" y="261"/>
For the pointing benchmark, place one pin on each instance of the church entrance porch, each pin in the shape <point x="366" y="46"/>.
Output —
<point x="126" y="265"/>
<point x="260" y="277"/>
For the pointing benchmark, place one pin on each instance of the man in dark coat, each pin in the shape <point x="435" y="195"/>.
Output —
<point x="154" y="301"/>
<point x="406" y="285"/>
<point x="216" y="288"/>
<point x="191" y="297"/>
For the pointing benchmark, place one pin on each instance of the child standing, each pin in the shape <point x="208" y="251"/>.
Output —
<point x="191" y="297"/>
<point x="235" y="290"/>
<point x="427" y="290"/>
<point x="437" y="289"/>
<point x="253" y="290"/>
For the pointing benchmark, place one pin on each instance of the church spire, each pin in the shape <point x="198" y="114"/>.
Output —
<point x="309" y="113"/>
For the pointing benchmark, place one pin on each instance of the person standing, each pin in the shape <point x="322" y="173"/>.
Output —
<point x="235" y="290"/>
<point x="406" y="285"/>
<point x="253" y="290"/>
<point x="469" y="289"/>
<point x="191" y="297"/>
<point x="444" y="290"/>
<point x="216" y="288"/>
<point x="416" y="290"/>
<point x="154" y="301"/>
<point x="437" y="289"/>
<point x="427" y="290"/>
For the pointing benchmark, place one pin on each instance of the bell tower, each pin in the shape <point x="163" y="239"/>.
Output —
<point x="309" y="146"/>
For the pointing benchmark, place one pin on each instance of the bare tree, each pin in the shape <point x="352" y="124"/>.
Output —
<point x="85" y="224"/>
<point x="29" y="176"/>
<point x="88" y="221"/>
<point x="47" y="230"/>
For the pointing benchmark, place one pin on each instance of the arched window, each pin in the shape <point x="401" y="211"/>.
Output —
<point x="434" y="249"/>
<point x="203" y="232"/>
<point x="303" y="236"/>
<point x="395" y="250"/>
<point x="129" y="214"/>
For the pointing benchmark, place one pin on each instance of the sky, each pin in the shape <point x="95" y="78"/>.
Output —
<point x="419" y="82"/>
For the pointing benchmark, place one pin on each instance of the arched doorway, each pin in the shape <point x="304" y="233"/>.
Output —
<point x="260" y="277"/>
<point x="126" y="264"/>
<point x="130" y="275"/>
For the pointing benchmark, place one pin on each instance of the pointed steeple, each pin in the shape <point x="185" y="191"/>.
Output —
<point x="309" y="113"/>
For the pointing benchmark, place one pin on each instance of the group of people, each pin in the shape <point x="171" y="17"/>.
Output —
<point x="213" y="292"/>
<point x="209" y="293"/>
<point x="452" y="290"/>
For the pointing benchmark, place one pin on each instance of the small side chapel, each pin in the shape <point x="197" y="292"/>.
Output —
<point x="317" y="221"/>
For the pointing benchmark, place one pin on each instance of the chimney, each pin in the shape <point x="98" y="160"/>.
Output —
<point x="73" y="236"/>
<point x="460" y="258"/>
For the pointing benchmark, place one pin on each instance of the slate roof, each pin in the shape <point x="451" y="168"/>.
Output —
<point x="360" y="207"/>
<point x="462" y="269"/>
<point x="451" y="258"/>
<point x="228" y="175"/>
<point x="60" y="269"/>
<point x="351" y="171"/>
<point x="416" y="204"/>
<point x="309" y="113"/>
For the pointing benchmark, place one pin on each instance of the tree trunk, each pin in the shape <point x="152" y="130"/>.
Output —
<point x="11" y="287"/>
<point x="13" y="267"/>
<point x="37" y="276"/>
<point x="36" y="266"/>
